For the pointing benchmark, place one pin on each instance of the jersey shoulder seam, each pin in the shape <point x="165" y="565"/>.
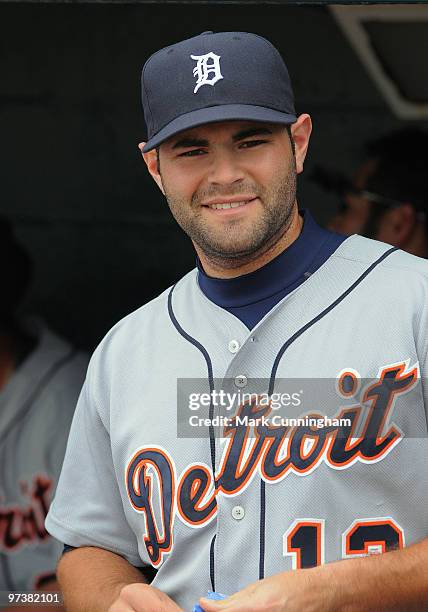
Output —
<point x="386" y="264"/>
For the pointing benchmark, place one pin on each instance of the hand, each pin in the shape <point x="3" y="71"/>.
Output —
<point x="292" y="591"/>
<point x="140" y="597"/>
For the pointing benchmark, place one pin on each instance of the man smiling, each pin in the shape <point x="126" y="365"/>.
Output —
<point x="276" y="518"/>
<point x="232" y="188"/>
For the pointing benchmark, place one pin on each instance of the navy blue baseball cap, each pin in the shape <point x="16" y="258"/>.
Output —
<point x="214" y="77"/>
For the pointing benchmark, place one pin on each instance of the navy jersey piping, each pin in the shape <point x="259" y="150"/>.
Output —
<point x="322" y="314"/>
<point x="204" y="352"/>
<point x="208" y="361"/>
<point x="212" y="577"/>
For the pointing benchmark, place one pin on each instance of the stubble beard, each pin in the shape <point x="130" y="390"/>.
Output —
<point x="238" y="242"/>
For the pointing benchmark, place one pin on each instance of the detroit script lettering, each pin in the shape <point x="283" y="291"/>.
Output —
<point x="272" y="453"/>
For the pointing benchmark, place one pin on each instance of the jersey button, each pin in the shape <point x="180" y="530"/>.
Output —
<point x="233" y="346"/>
<point x="241" y="381"/>
<point x="238" y="513"/>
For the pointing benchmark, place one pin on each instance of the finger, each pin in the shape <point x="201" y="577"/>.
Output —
<point x="237" y="603"/>
<point x="120" y="606"/>
<point x="209" y="605"/>
<point x="141" y="597"/>
<point x="145" y="598"/>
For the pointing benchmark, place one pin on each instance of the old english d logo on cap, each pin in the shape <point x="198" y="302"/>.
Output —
<point x="207" y="69"/>
<point x="247" y="77"/>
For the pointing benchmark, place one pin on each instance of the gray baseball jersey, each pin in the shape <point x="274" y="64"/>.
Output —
<point x="36" y="409"/>
<point x="282" y="497"/>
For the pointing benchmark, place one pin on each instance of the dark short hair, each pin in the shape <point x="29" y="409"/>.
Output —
<point x="290" y="135"/>
<point x="401" y="171"/>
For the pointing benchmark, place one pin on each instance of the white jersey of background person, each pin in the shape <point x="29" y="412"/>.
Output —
<point x="36" y="409"/>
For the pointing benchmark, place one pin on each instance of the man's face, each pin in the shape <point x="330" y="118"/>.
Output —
<point x="231" y="186"/>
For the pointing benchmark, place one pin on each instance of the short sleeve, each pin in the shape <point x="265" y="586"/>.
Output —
<point x="87" y="508"/>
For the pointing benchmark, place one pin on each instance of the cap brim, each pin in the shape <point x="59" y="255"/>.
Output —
<point x="211" y="114"/>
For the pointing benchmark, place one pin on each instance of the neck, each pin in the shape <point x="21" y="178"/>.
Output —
<point x="7" y="359"/>
<point x="257" y="260"/>
<point x="15" y="346"/>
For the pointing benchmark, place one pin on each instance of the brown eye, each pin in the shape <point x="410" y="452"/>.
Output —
<point x="192" y="153"/>
<point x="251" y="143"/>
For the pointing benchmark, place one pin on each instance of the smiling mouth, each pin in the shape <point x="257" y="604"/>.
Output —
<point x="227" y="205"/>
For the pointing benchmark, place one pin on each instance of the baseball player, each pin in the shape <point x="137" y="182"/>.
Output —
<point x="387" y="197"/>
<point x="40" y="379"/>
<point x="273" y="516"/>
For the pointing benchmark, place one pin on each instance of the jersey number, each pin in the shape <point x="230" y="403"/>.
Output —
<point x="304" y="540"/>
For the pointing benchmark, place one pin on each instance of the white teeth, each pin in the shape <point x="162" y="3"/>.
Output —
<point x="227" y="205"/>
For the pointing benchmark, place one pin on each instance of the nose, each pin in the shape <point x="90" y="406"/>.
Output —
<point x="225" y="169"/>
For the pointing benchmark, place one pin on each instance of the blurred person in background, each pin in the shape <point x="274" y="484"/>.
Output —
<point x="387" y="197"/>
<point x="40" y="379"/>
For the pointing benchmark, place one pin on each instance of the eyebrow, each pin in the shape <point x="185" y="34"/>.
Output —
<point x="259" y="131"/>
<point x="185" y="143"/>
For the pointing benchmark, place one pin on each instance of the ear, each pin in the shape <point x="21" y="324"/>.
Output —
<point x="152" y="163"/>
<point x="301" y="132"/>
<point x="397" y="225"/>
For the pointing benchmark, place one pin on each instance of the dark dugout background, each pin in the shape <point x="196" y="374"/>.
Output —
<point x="72" y="179"/>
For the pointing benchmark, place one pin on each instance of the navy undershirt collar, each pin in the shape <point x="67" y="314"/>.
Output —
<point x="291" y="267"/>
